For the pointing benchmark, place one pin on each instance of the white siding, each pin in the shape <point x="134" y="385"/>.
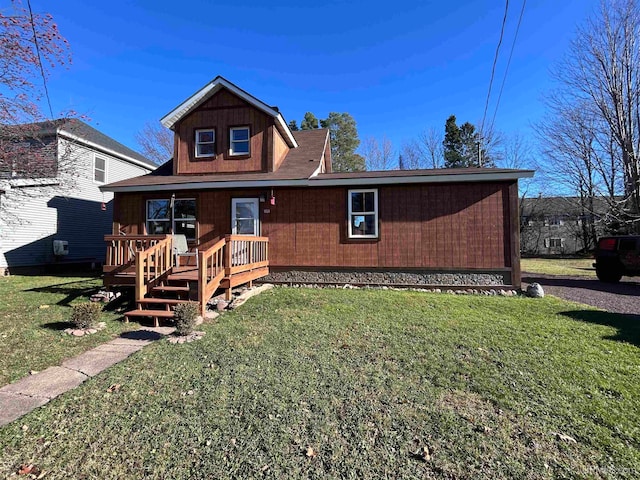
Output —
<point x="71" y="212"/>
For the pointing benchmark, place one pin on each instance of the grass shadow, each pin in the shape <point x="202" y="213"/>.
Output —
<point x="58" y="326"/>
<point x="628" y="326"/>
<point x="72" y="290"/>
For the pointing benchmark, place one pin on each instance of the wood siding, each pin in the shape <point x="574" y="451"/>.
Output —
<point x="430" y="226"/>
<point x="221" y="112"/>
<point x="280" y="149"/>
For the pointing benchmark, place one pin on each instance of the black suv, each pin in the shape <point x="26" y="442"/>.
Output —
<point x="617" y="256"/>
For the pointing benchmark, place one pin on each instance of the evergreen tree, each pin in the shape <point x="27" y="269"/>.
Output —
<point x="401" y="163"/>
<point x="344" y="141"/>
<point x="293" y="126"/>
<point x="309" y="122"/>
<point x="460" y="144"/>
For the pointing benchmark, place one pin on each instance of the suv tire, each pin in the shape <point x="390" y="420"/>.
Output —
<point x="608" y="274"/>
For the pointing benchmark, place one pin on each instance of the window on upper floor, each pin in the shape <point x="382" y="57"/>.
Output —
<point x="363" y="213"/>
<point x="205" y="143"/>
<point x="239" y="140"/>
<point x="99" y="170"/>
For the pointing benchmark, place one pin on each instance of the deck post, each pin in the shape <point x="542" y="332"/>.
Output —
<point x="202" y="283"/>
<point x="139" y="276"/>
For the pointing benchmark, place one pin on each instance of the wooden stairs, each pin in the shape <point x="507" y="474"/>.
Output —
<point x="162" y="300"/>
<point x="161" y="282"/>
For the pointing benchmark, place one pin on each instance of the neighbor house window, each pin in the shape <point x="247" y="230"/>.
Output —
<point x="205" y="143"/>
<point x="363" y="213"/>
<point x="554" y="242"/>
<point x="159" y="218"/>
<point x="99" y="170"/>
<point x="239" y="141"/>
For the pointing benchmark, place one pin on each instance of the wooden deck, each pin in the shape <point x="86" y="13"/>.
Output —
<point x="148" y="263"/>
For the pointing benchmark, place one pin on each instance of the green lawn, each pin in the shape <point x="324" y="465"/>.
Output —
<point x="33" y="313"/>
<point x="580" y="267"/>
<point x="366" y="379"/>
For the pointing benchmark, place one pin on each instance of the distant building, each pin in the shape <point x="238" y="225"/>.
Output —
<point x="51" y="206"/>
<point x="559" y="225"/>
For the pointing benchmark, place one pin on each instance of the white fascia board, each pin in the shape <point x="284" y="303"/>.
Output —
<point x="76" y="138"/>
<point x="318" y="182"/>
<point x="170" y="119"/>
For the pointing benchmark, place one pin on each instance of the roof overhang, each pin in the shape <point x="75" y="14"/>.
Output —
<point x="319" y="181"/>
<point x="78" y="139"/>
<point x="213" y="87"/>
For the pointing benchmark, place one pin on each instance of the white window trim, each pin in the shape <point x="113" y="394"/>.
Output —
<point x="168" y="220"/>
<point x="374" y="212"/>
<point x="196" y="143"/>
<point x="93" y="171"/>
<point x="231" y="141"/>
<point x="257" y="224"/>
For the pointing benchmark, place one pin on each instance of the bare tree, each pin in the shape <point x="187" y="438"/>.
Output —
<point x="601" y="76"/>
<point x="430" y="145"/>
<point x="377" y="155"/>
<point x="155" y="142"/>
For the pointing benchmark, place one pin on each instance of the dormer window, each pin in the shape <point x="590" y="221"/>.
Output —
<point x="239" y="141"/>
<point x="205" y="143"/>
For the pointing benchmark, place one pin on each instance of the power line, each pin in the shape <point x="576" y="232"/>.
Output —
<point x="504" y="79"/>
<point x="35" y="41"/>
<point x="493" y="69"/>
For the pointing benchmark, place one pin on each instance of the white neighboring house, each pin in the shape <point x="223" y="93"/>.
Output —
<point x="62" y="202"/>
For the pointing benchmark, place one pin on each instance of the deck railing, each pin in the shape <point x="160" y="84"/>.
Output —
<point x="152" y="265"/>
<point x="121" y="250"/>
<point x="210" y="272"/>
<point x="246" y="252"/>
<point x="152" y="259"/>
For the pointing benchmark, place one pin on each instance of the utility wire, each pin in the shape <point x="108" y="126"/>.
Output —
<point x="35" y="41"/>
<point x="493" y="69"/>
<point x="504" y="79"/>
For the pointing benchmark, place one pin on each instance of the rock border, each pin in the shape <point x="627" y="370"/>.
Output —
<point x="192" y="337"/>
<point x="81" y="332"/>
<point x="451" y="291"/>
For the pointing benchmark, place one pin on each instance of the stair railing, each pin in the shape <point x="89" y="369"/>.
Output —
<point x="152" y="264"/>
<point x="211" y="271"/>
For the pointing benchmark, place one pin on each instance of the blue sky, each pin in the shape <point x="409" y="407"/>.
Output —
<point x="397" y="67"/>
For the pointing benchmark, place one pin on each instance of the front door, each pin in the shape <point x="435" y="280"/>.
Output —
<point x="245" y="220"/>
<point x="245" y="216"/>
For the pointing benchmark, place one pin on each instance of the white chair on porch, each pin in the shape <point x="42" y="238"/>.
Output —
<point x="181" y="249"/>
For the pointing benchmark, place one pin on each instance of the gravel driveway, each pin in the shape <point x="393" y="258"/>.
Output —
<point x="623" y="297"/>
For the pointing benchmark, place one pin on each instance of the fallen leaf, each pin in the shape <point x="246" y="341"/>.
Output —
<point x="30" y="469"/>
<point x="32" y="372"/>
<point x="264" y="468"/>
<point x="114" y="388"/>
<point x="44" y="306"/>
<point x="310" y="452"/>
<point x="25" y="428"/>
<point x="565" y="438"/>
<point x="426" y="454"/>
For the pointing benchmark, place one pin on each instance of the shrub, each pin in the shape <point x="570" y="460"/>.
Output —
<point x="86" y="315"/>
<point x="185" y="316"/>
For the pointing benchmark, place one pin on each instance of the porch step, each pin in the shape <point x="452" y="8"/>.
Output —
<point x="170" y="288"/>
<point x="158" y="301"/>
<point x="155" y="314"/>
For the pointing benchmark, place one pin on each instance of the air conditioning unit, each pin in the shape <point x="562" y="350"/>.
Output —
<point x="60" y="248"/>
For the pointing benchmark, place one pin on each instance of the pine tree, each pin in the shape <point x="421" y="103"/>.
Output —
<point x="309" y="122"/>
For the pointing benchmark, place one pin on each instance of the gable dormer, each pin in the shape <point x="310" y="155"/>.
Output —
<point x="223" y="129"/>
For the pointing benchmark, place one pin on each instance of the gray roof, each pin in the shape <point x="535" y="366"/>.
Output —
<point x="82" y="130"/>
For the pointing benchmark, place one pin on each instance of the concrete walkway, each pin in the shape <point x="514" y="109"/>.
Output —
<point x="28" y="393"/>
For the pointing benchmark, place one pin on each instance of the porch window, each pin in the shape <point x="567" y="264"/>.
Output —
<point x="184" y="217"/>
<point x="239" y="141"/>
<point x="99" y="170"/>
<point x="205" y="143"/>
<point x="363" y="213"/>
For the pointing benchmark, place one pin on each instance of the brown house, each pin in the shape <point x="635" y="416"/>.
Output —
<point x="254" y="199"/>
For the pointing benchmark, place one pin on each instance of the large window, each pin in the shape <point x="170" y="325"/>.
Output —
<point x="239" y="141"/>
<point x="363" y="213"/>
<point x="159" y="218"/>
<point x="554" y="242"/>
<point x="205" y="143"/>
<point x="99" y="170"/>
